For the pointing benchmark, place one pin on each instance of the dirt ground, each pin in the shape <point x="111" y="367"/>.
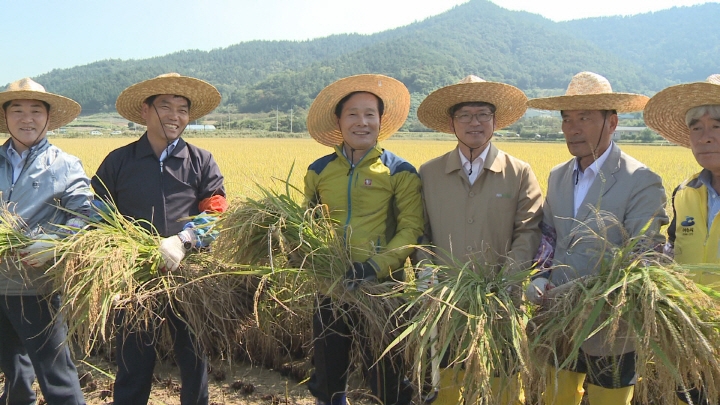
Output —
<point x="229" y="384"/>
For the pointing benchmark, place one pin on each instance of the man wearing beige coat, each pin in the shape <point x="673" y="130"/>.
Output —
<point x="594" y="201"/>
<point x="481" y="204"/>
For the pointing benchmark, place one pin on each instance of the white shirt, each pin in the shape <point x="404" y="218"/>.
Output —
<point x="168" y="150"/>
<point x="476" y="164"/>
<point x="584" y="179"/>
<point x="17" y="160"/>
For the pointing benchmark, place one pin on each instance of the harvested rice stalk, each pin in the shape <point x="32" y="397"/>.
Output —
<point x="213" y="298"/>
<point x="308" y="257"/>
<point x="479" y="328"/>
<point x="114" y="264"/>
<point x="110" y="265"/>
<point x="675" y="325"/>
<point x="11" y="235"/>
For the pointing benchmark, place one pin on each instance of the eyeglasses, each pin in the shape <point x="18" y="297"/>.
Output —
<point x="467" y="118"/>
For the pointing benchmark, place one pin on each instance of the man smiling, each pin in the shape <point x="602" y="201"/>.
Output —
<point x="160" y="178"/>
<point x="39" y="184"/>
<point x="482" y="205"/>
<point x="375" y="197"/>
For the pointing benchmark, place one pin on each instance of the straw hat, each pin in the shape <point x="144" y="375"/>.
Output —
<point x="322" y="122"/>
<point x="203" y="96"/>
<point x="665" y="112"/>
<point x="590" y="91"/>
<point x="62" y="109"/>
<point x="509" y="101"/>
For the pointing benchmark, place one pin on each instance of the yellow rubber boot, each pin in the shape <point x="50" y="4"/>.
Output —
<point x="507" y="390"/>
<point x="564" y="387"/>
<point x="610" y="396"/>
<point x="450" y="392"/>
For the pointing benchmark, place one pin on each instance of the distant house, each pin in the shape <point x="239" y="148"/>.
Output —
<point x="620" y="131"/>
<point x="200" y="128"/>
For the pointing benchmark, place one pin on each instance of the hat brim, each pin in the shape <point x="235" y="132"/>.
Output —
<point x="509" y="101"/>
<point x="322" y="122"/>
<point x="203" y="96"/>
<point x="620" y="102"/>
<point x="62" y="109"/>
<point x="666" y="110"/>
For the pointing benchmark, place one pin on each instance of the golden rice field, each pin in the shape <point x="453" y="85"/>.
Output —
<point x="245" y="162"/>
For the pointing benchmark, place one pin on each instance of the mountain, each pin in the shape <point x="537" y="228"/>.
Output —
<point x="643" y="54"/>
<point x="681" y="44"/>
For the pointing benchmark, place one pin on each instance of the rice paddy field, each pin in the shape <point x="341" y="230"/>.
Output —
<point x="246" y="161"/>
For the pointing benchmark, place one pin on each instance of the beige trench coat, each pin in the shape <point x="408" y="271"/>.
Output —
<point x="495" y="220"/>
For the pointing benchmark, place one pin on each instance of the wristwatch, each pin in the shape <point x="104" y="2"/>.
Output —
<point x="187" y="243"/>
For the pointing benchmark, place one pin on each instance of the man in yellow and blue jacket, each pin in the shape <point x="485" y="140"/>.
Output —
<point x="689" y="115"/>
<point x="375" y="196"/>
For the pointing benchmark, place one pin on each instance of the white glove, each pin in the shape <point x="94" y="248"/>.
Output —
<point x="172" y="249"/>
<point x="40" y="251"/>
<point x="536" y="290"/>
<point x="425" y="279"/>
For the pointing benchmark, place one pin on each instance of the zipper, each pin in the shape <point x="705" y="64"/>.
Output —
<point x="162" y="193"/>
<point x="351" y="174"/>
<point x="31" y="154"/>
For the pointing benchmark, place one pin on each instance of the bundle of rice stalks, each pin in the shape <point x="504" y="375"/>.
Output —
<point x="12" y="236"/>
<point x="307" y="257"/>
<point x="470" y="318"/>
<point x="112" y="264"/>
<point x="638" y="296"/>
<point x="213" y="297"/>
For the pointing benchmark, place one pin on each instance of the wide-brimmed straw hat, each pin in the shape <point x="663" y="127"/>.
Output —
<point x="590" y="91"/>
<point x="322" y="122"/>
<point x="62" y="109"/>
<point x="666" y="111"/>
<point x="203" y="96"/>
<point x="509" y="101"/>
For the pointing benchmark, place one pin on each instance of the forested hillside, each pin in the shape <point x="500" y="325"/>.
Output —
<point x="681" y="44"/>
<point x="642" y="54"/>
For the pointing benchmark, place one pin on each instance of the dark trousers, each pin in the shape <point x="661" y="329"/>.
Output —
<point x="32" y="345"/>
<point x="607" y="371"/>
<point x="332" y="343"/>
<point x="136" y="355"/>
<point x="697" y="395"/>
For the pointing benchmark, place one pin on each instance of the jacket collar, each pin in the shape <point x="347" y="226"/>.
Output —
<point x="34" y="150"/>
<point x="603" y="182"/>
<point x="491" y="162"/>
<point x="370" y="155"/>
<point x="144" y="149"/>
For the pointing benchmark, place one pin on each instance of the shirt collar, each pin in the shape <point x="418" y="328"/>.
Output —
<point x="143" y="148"/>
<point x="705" y="178"/>
<point x="15" y="154"/>
<point x="595" y="166"/>
<point x="479" y="160"/>
<point x="168" y="150"/>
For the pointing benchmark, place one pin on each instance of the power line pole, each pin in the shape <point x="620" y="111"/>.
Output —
<point x="291" y="120"/>
<point x="277" y="120"/>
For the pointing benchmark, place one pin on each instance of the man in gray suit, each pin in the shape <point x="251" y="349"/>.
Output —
<point x="593" y="201"/>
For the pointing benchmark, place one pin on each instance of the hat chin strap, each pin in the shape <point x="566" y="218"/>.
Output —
<point x="471" y="148"/>
<point x="47" y="121"/>
<point x="593" y="152"/>
<point x="167" y="139"/>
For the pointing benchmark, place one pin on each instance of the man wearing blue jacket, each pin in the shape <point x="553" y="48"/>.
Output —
<point x="39" y="184"/>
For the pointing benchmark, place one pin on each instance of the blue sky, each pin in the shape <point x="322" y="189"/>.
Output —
<point x="41" y="35"/>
